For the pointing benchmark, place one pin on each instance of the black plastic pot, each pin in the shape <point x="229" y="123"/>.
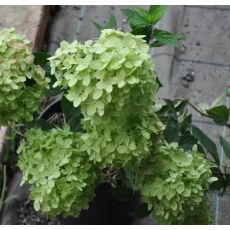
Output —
<point x="54" y="107"/>
<point x="105" y="209"/>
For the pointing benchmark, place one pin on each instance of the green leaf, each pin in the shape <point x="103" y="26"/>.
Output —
<point x="53" y="91"/>
<point x="181" y="105"/>
<point x="219" y="113"/>
<point x="43" y="124"/>
<point x="146" y="30"/>
<point x="171" y="106"/>
<point x="135" y="19"/>
<point x="142" y="11"/>
<point x="226" y="146"/>
<point x="220" y="183"/>
<point x="98" y="26"/>
<point x="67" y="107"/>
<point x="73" y="115"/>
<point x="206" y="142"/>
<point x="167" y="38"/>
<point x="156" y="13"/>
<point x="75" y="122"/>
<point x="171" y="131"/>
<point x="156" y="44"/>
<point x="110" y="24"/>
<point x="41" y="58"/>
<point x="187" y="141"/>
<point x="200" y="149"/>
<point x="186" y="123"/>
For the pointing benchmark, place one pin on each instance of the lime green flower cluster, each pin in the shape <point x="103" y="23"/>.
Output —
<point x="113" y="81"/>
<point x="21" y="82"/>
<point x="173" y="183"/>
<point x="56" y="164"/>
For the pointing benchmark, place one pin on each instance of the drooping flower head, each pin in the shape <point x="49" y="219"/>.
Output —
<point x="21" y="82"/>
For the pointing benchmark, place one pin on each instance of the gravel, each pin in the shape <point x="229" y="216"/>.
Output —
<point x="28" y="216"/>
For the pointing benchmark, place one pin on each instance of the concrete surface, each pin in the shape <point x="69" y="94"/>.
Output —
<point x="28" y="20"/>
<point x="8" y="215"/>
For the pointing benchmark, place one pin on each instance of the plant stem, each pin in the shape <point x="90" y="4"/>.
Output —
<point x="3" y="187"/>
<point x="200" y="112"/>
<point x="194" y="107"/>
<point x="225" y="166"/>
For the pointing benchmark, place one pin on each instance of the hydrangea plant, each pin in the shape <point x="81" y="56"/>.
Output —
<point x="22" y="83"/>
<point x="112" y="82"/>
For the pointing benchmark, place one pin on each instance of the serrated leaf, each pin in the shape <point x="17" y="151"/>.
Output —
<point x="156" y="13"/>
<point x="135" y="19"/>
<point x="167" y="38"/>
<point x="142" y="11"/>
<point x="43" y="124"/>
<point x="171" y="130"/>
<point x="206" y="142"/>
<point x="98" y="26"/>
<point x="226" y="146"/>
<point x="187" y="141"/>
<point x="110" y="24"/>
<point x="156" y="44"/>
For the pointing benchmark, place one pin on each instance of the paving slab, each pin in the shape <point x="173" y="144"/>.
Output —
<point x="30" y="21"/>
